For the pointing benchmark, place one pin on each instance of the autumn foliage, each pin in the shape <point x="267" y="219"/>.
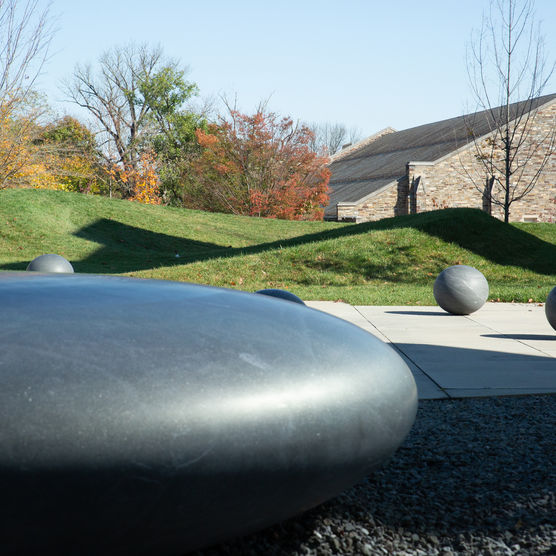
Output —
<point x="259" y="165"/>
<point x="141" y="179"/>
<point x="15" y="133"/>
<point x="63" y="156"/>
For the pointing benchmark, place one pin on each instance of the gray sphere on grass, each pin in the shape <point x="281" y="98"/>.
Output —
<point x="550" y="308"/>
<point x="281" y="294"/>
<point x="460" y="289"/>
<point x="50" y="263"/>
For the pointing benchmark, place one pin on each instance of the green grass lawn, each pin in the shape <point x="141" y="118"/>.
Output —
<point x="389" y="262"/>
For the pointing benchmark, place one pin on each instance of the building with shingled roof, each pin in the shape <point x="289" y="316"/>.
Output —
<point x="437" y="165"/>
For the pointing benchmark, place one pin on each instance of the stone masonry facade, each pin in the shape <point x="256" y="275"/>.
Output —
<point x="460" y="180"/>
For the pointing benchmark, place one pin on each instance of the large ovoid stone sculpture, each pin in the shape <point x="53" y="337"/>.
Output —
<point x="151" y="417"/>
<point x="50" y="263"/>
<point x="281" y="294"/>
<point x="460" y="289"/>
<point x="550" y="308"/>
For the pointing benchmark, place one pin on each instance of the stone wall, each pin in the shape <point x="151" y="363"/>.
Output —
<point x="391" y="201"/>
<point x="459" y="180"/>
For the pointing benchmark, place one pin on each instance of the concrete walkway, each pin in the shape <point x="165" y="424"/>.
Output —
<point x="502" y="349"/>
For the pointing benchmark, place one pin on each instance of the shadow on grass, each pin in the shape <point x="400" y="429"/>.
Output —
<point x="470" y="229"/>
<point x="488" y="237"/>
<point x="127" y="248"/>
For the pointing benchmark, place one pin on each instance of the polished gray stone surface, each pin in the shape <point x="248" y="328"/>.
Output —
<point x="460" y="289"/>
<point x="154" y="417"/>
<point x="550" y="307"/>
<point x="50" y="263"/>
<point x="281" y="294"/>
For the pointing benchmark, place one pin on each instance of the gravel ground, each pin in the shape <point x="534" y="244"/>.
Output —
<point x="475" y="476"/>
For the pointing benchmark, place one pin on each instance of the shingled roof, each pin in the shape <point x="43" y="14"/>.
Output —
<point x="381" y="160"/>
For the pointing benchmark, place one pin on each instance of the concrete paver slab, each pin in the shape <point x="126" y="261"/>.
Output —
<point x="523" y="322"/>
<point x="502" y="349"/>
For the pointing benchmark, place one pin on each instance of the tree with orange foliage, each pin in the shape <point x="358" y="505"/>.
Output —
<point x="141" y="177"/>
<point x="258" y="165"/>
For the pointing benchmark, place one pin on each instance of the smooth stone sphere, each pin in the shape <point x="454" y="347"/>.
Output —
<point x="460" y="289"/>
<point x="50" y="263"/>
<point x="154" y="417"/>
<point x="281" y="294"/>
<point x="550" y="308"/>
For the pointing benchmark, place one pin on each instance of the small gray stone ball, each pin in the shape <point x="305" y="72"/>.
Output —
<point x="50" y="263"/>
<point x="550" y="307"/>
<point x="460" y="289"/>
<point x="281" y="294"/>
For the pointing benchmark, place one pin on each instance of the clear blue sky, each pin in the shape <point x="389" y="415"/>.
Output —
<point x="368" y="64"/>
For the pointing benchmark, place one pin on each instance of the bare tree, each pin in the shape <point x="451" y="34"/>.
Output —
<point x="25" y="35"/>
<point x="110" y="96"/>
<point x="130" y="98"/>
<point x="507" y="64"/>
<point x="331" y="137"/>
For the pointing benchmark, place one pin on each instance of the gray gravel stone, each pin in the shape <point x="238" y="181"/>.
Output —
<point x="475" y="476"/>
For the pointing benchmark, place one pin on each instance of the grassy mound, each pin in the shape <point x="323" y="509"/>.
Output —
<point x="392" y="261"/>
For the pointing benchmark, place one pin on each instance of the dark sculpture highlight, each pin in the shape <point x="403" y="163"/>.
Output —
<point x="153" y="417"/>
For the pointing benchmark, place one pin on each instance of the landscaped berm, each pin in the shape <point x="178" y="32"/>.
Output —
<point x="389" y="262"/>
